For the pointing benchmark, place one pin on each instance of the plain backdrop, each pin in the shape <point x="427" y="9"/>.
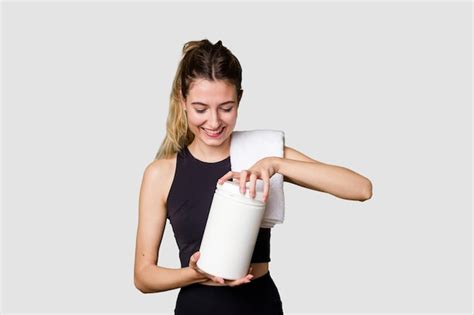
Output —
<point x="383" y="89"/>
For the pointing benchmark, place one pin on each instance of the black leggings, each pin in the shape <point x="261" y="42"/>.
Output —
<point x="260" y="296"/>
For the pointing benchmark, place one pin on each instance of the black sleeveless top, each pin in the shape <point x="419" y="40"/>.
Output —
<point x="189" y="202"/>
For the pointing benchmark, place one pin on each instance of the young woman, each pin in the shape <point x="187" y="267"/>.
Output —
<point x="179" y="185"/>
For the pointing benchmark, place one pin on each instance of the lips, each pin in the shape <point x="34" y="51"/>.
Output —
<point x="214" y="133"/>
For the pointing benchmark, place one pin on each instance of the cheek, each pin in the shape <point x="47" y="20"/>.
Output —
<point x="195" y="120"/>
<point x="231" y="119"/>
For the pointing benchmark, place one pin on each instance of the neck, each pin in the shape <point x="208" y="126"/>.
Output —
<point x="208" y="153"/>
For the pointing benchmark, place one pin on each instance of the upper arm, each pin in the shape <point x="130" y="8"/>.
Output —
<point x="151" y="214"/>
<point x="292" y="154"/>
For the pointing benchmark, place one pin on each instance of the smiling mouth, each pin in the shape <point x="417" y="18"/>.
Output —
<point x="213" y="133"/>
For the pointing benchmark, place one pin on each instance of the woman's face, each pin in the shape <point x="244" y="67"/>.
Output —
<point x="211" y="108"/>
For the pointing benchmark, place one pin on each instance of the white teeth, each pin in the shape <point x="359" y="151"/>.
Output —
<point x="213" y="133"/>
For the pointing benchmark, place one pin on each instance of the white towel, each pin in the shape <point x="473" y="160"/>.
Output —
<point x="249" y="146"/>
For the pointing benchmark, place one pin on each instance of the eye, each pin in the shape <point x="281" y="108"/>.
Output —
<point x="200" y="111"/>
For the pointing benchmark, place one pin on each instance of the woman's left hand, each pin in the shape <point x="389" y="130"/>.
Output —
<point x="263" y="169"/>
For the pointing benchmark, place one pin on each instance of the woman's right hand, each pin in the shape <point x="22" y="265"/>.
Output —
<point x="193" y="264"/>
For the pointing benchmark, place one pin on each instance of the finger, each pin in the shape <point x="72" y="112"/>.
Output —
<point x="246" y="279"/>
<point x="243" y="180"/>
<point x="195" y="258"/>
<point x="219" y="280"/>
<point x="226" y="177"/>
<point x="266" y="186"/>
<point x="253" y="180"/>
<point x="236" y="283"/>
<point x="240" y="281"/>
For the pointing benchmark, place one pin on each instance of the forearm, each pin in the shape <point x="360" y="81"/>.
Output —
<point x="158" y="279"/>
<point x="335" y="180"/>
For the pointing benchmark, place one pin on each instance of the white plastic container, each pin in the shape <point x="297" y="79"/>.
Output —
<point x="231" y="231"/>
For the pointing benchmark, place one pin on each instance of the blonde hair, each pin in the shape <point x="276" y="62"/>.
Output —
<point x="200" y="60"/>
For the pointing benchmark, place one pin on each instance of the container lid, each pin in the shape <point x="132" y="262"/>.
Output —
<point x="234" y="189"/>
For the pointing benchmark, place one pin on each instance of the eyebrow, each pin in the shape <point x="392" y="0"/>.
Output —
<point x="200" y="103"/>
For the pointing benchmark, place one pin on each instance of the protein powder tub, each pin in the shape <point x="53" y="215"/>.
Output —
<point x="231" y="231"/>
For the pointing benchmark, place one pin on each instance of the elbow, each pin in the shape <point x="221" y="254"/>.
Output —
<point x="139" y="284"/>
<point x="143" y="288"/>
<point x="367" y="191"/>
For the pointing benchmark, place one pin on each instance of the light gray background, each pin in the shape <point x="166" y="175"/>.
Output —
<point x="383" y="89"/>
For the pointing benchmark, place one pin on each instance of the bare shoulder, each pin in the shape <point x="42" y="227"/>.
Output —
<point x="161" y="173"/>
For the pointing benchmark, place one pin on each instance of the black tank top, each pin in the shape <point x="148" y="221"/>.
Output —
<point x="189" y="202"/>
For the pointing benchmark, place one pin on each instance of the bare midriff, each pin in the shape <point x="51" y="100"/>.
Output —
<point x="258" y="270"/>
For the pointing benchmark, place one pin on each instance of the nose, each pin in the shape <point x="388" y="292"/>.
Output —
<point x="214" y="120"/>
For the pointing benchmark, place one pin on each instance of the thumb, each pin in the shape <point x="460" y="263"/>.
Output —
<point x="195" y="256"/>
